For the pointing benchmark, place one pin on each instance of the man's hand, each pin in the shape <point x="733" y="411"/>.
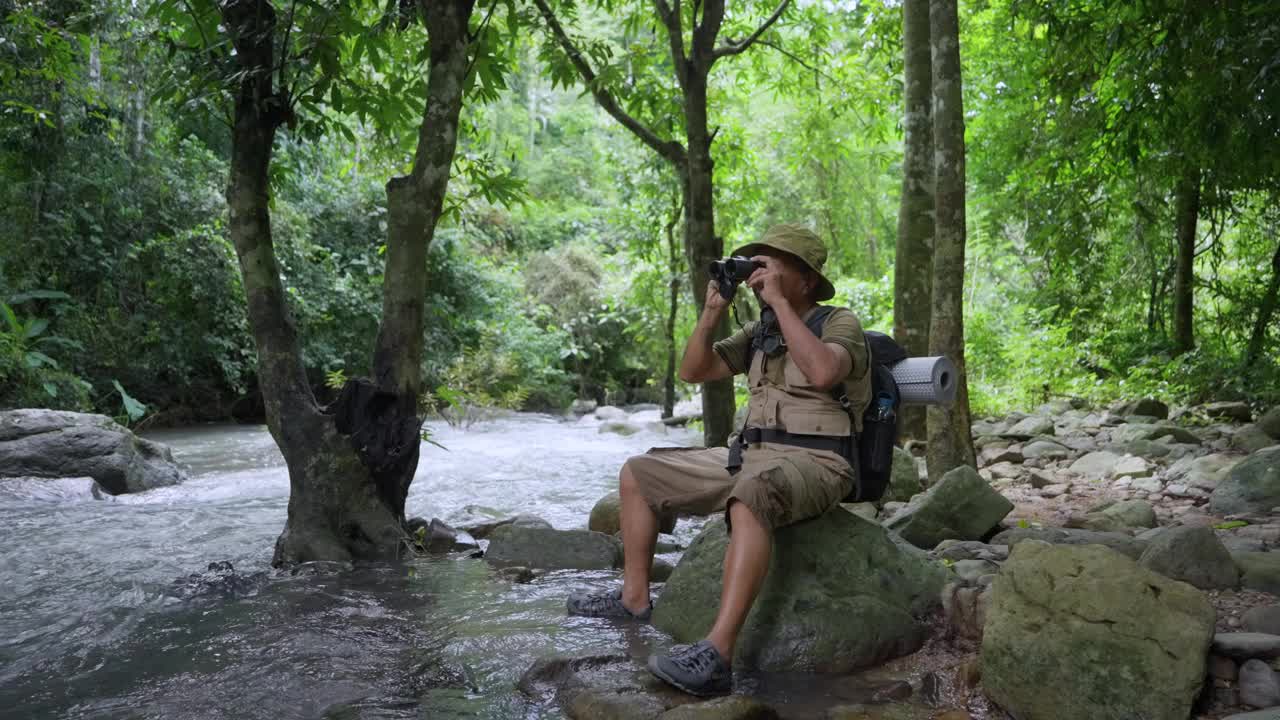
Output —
<point x="767" y="281"/>
<point x="715" y="301"/>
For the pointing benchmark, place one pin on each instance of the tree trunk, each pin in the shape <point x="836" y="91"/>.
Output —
<point x="334" y="513"/>
<point x="673" y="272"/>
<point x="950" y="442"/>
<point x="414" y="204"/>
<point x="702" y="246"/>
<point x="1188" y="211"/>
<point x="1258" y="339"/>
<point x="913" y="264"/>
<point x="694" y="166"/>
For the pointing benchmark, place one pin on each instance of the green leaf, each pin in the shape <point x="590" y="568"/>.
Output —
<point x="51" y="389"/>
<point x="1230" y="525"/>
<point x="35" y="328"/>
<point x="38" y="295"/>
<point x="37" y="359"/>
<point x="132" y="407"/>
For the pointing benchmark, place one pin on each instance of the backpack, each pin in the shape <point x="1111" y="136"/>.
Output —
<point x="873" y="463"/>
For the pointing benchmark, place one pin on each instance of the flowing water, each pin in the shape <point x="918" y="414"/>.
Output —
<point x="107" y="610"/>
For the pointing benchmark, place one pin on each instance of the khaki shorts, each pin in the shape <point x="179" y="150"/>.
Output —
<point x="781" y="484"/>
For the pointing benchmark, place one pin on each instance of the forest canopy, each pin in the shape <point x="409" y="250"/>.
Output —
<point x="1123" y="230"/>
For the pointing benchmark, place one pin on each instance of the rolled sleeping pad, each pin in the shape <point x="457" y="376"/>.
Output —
<point x="926" y="380"/>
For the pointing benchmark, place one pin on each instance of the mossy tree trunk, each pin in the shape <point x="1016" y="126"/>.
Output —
<point x="349" y="465"/>
<point x="913" y="263"/>
<point x="950" y="442"/>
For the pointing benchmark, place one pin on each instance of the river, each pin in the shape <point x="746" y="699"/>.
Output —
<point x="106" y="610"/>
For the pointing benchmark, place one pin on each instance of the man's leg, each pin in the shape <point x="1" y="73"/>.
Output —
<point x="746" y="562"/>
<point x="639" y="533"/>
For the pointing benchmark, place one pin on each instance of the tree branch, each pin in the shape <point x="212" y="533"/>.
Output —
<point x="800" y="62"/>
<point x="675" y="32"/>
<point x="735" y="47"/>
<point x="705" y="33"/>
<point x="669" y="149"/>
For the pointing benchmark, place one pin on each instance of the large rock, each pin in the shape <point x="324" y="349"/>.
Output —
<point x="1258" y="684"/>
<point x="1118" y="516"/>
<point x="1152" y="431"/>
<point x="1144" y="406"/>
<point x="1030" y="427"/>
<point x="904" y="479"/>
<point x="1046" y="450"/>
<point x="1194" y="555"/>
<point x="55" y="444"/>
<point x="1269" y="421"/>
<point x="1083" y="633"/>
<point x="1096" y="464"/>
<point x="1253" y="485"/>
<point x="1204" y="472"/>
<point x="1229" y="410"/>
<point x="1251" y="438"/>
<point x="551" y="549"/>
<point x="606" y="516"/>
<point x="1121" y="542"/>
<point x="1259" y="570"/>
<point x="962" y="506"/>
<point x="840" y="595"/>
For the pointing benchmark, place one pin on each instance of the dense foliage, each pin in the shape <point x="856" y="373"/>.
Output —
<point x="551" y="276"/>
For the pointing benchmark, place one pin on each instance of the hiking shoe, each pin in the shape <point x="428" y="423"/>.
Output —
<point x="697" y="669"/>
<point x="606" y="605"/>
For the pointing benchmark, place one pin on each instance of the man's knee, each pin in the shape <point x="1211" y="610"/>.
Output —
<point x="628" y="478"/>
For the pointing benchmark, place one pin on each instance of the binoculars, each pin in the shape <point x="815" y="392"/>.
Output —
<point x="731" y="271"/>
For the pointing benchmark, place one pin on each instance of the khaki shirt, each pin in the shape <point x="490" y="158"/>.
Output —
<point x="783" y="398"/>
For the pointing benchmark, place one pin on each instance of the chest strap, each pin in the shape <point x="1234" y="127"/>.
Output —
<point x="839" y="445"/>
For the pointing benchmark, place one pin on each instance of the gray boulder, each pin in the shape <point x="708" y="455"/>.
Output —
<point x="1258" y="685"/>
<point x="55" y="444"/>
<point x="1193" y="555"/>
<point x="1259" y="570"/>
<point x="1268" y="714"/>
<point x="1128" y="545"/>
<point x="962" y="506"/>
<point x="1245" y="645"/>
<point x="551" y="549"/>
<point x="1253" y="485"/>
<point x="1118" y="516"/>
<point x="1144" y="406"/>
<point x="831" y="579"/>
<point x="1030" y="427"/>
<point x="1228" y="410"/>
<point x="1204" y="472"/>
<point x="1262" y="619"/>
<point x="1269" y="421"/>
<point x="904" y="479"/>
<point x="1251" y="438"/>
<point x="1045" y="450"/>
<point x="1096" y="464"/>
<point x="1152" y="431"/>
<point x="1082" y="633"/>
<point x="1140" y="448"/>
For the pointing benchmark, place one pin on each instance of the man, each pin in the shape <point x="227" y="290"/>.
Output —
<point x="774" y="481"/>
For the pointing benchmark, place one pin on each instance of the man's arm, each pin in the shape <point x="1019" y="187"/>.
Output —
<point x="701" y="363"/>
<point x="824" y="364"/>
